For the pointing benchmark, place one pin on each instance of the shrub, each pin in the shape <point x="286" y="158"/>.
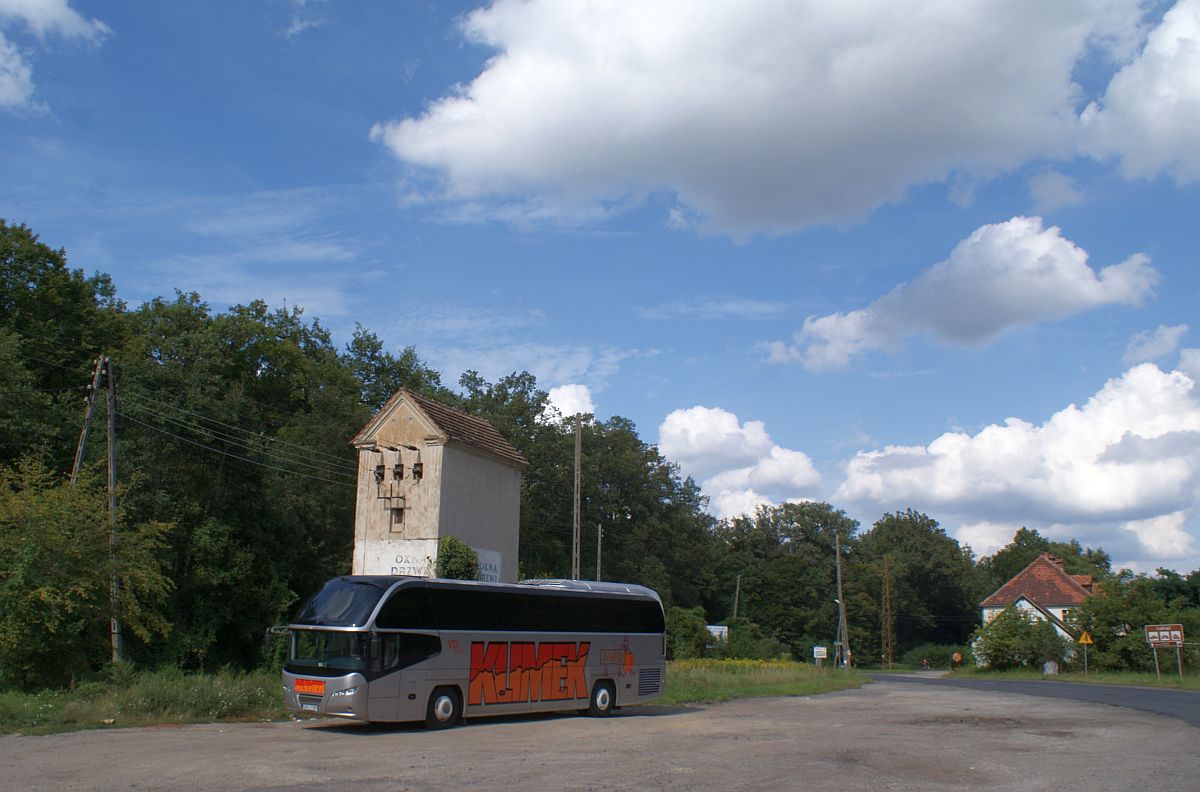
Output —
<point x="1015" y="639"/>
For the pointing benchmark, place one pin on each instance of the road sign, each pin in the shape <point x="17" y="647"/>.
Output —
<point x="1162" y="636"/>
<point x="1086" y="638"/>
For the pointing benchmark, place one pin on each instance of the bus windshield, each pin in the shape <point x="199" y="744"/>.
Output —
<point x="342" y="602"/>
<point x="325" y="649"/>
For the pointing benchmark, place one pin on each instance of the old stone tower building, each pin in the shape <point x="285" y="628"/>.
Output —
<point x="426" y="471"/>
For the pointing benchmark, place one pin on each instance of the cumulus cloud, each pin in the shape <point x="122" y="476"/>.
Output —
<point x="1129" y="458"/>
<point x="1189" y="363"/>
<point x="1002" y="276"/>
<point x="572" y="399"/>
<point x="738" y="465"/>
<point x="1150" y="115"/>
<point x="1154" y="344"/>
<point x="40" y="17"/>
<point x="754" y="116"/>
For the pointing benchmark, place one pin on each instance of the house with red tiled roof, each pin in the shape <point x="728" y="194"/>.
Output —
<point x="427" y="471"/>
<point x="1044" y="589"/>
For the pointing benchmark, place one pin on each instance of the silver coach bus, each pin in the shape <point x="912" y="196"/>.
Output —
<point x="384" y="649"/>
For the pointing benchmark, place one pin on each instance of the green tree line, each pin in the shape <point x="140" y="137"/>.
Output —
<point x="236" y="495"/>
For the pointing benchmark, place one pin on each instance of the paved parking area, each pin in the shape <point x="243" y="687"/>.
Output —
<point x="886" y="736"/>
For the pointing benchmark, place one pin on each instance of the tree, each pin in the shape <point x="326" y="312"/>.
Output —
<point x="456" y="559"/>
<point x="687" y="633"/>
<point x="932" y="580"/>
<point x="55" y="577"/>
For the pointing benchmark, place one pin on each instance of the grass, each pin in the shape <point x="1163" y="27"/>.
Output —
<point x="690" y="681"/>
<point x="1168" y="680"/>
<point x="145" y="698"/>
<point x="149" y="698"/>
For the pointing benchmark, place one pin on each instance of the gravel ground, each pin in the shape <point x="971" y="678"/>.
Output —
<point x="886" y="736"/>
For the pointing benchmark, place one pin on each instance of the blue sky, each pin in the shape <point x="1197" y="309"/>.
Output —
<point x="885" y="254"/>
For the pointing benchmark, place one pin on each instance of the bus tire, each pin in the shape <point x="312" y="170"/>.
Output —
<point x="603" y="699"/>
<point x="445" y="708"/>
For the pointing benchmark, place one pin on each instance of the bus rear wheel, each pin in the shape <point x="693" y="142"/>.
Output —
<point x="445" y="708"/>
<point x="603" y="699"/>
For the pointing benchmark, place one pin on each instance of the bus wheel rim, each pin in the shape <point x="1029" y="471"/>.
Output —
<point x="443" y="708"/>
<point x="602" y="698"/>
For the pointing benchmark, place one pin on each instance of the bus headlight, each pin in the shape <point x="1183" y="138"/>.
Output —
<point x="346" y="692"/>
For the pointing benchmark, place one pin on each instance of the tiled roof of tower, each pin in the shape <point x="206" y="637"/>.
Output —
<point x="1045" y="582"/>
<point x="468" y="429"/>
<point x="455" y="424"/>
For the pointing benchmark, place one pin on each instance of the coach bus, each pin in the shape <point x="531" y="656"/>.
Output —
<point x="384" y="649"/>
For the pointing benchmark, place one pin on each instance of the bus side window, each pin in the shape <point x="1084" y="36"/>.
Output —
<point x="400" y="650"/>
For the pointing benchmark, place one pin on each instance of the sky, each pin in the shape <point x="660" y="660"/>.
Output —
<point x="888" y="255"/>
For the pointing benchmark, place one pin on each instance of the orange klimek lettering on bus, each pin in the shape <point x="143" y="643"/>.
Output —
<point x="309" y="686"/>
<point x="504" y="672"/>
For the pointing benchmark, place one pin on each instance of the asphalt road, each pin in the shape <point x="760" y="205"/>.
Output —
<point x="890" y="735"/>
<point x="1181" y="704"/>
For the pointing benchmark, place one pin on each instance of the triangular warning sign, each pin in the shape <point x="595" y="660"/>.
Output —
<point x="1086" y="638"/>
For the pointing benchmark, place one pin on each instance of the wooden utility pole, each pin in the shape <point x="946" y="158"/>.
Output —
<point x="103" y="375"/>
<point x="843" y="643"/>
<point x="575" y="515"/>
<point x="599" y="537"/>
<point x="118" y="644"/>
<point x="737" y="593"/>
<point x="889" y="638"/>
<point x="89" y="405"/>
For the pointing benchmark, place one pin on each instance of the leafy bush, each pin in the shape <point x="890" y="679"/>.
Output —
<point x="938" y="655"/>
<point x="687" y="633"/>
<point x="456" y="559"/>
<point x="747" y="642"/>
<point x="1016" y="639"/>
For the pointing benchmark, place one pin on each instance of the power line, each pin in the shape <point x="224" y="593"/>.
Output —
<point x="146" y="399"/>
<point x="265" y="451"/>
<point x="153" y="428"/>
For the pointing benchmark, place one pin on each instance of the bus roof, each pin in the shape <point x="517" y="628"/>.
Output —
<point x="598" y="587"/>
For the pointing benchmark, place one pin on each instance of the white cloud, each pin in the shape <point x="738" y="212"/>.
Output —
<point x="716" y="308"/>
<point x="1165" y="536"/>
<point x="1150" y="115"/>
<point x="1128" y="458"/>
<point x="40" y="17"/>
<point x="1002" y="276"/>
<point x="737" y="464"/>
<point x="1051" y="190"/>
<point x="756" y="115"/>
<point x="1152" y="345"/>
<point x="16" y="77"/>
<point x="1189" y="363"/>
<point x="572" y="399"/>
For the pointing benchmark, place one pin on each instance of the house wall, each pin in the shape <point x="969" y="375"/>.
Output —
<point x="481" y="505"/>
<point x="1059" y="611"/>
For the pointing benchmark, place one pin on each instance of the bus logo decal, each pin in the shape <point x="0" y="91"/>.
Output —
<point x="504" y="672"/>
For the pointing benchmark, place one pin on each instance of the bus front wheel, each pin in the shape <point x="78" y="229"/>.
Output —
<point x="603" y="699"/>
<point x="445" y="708"/>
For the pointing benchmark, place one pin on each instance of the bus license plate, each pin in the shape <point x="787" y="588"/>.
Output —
<point x="309" y="707"/>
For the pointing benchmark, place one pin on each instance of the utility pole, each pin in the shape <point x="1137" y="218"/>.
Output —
<point x="575" y="515"/>
<point x="103" y="375"/>
<point x="843" y="643"/>
<point x="889" y="639"/>
<point x="90" y="402"/>
<point x="599" y="537"/>
<point x="118" y="644"/>
<point x="737" y="593"/>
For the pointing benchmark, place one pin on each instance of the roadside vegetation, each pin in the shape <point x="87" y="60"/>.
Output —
<point x="1170" y="676"/>
<point x="151" y="698"/>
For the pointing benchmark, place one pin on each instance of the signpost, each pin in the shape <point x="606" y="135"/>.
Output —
<point x="819" y="654"/>
<point x="1085" y="641"/>
<point x="1165" y="636"/>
